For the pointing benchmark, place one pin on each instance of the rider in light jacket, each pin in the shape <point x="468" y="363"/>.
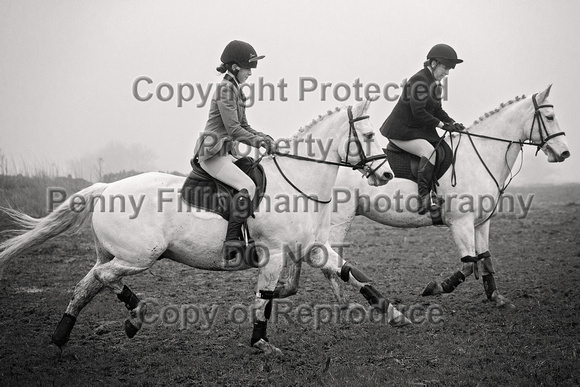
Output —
<point x="226" y="125"/>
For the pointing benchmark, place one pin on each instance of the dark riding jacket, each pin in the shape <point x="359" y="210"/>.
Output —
<point x="226" y="123"/>
<point x="418" y="110"/>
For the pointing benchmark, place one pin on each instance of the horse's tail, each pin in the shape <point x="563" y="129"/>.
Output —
<point x="68" y="217"/>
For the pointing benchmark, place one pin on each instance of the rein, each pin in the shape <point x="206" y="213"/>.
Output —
<point x="543" y="140"/>
<point x="541" y="129"/>
<point x="363" y="164"/>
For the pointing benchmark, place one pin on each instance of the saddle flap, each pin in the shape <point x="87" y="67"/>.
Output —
<point x="405" y="165"/>
<point x="201" y="190"/>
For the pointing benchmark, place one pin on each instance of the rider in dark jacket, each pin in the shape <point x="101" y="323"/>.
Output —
<point x="412" y="124"/>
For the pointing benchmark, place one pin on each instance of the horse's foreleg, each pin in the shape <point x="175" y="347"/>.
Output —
<point x="482" y="246"/>
<point x="355" y="277"/>
<point x="490" y="287"/>
<point x="289" y="279"/>
<point x="83" y="293"/>
<point x="464" y="236"/>
<point x="267" y="290"/>
<point x="335" y="286"/>
<point x="110" y="274"/>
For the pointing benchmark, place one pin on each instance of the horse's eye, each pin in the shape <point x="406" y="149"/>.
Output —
<point x="550" y="118"/>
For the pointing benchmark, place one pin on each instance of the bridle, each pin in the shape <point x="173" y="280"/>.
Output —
<point x="365" y="163"/>
<point x="541" y="126"/>
<point x="544" y="135"/>
<point x="544" y="138"/>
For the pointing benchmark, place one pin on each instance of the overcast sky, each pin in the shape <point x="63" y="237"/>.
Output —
<point x="68" y="68"/>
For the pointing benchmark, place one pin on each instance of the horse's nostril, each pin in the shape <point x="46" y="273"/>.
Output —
<point x="388" y="176"/>
<point x="565" y="154"/>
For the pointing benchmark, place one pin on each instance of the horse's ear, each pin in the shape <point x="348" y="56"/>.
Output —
<point x="361" y="108"/>
<point x="544" y="94"/>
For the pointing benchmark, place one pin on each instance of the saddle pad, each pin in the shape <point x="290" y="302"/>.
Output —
<point x="203" y="191"/>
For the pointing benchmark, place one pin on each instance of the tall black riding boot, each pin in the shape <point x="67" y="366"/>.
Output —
<point x="427" y="200"/>
<point x="240" y="210"/>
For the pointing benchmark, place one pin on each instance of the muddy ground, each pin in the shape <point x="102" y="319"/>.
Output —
<point x="459" y="339"/>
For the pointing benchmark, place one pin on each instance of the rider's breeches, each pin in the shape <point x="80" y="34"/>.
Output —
<point x="418" y="147"/>
<point x="224" y="169"/>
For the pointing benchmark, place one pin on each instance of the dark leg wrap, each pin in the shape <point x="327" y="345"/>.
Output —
<point x="129" y="298"/>
<point x="259" y="332"/>
<point x="356" y="273"/>
<point x="489" y="285"/>
<point x="452" y="282"/>
<point x="269" y="295"/>
<point x="487" y="264"/>
<point x="62" y="332"/>
<point x="469" y="258"/>
<point x="375" y="299"/>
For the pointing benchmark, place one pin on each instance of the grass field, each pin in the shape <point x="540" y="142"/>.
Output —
<point x="469" y="343"/>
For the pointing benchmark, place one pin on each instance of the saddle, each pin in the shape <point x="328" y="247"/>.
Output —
<point x="203" y="191"/>
<point x="405" y="165"/>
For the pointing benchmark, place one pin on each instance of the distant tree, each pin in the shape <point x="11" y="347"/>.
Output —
<point x="111" y="159"/>
<point x="3" y="164"/>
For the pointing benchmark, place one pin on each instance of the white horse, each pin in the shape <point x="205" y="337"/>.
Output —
<point x="485" y="156"/>
<point x="165" y="227"/>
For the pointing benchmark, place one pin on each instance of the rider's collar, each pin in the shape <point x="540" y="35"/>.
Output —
<point x="232" y="78"/>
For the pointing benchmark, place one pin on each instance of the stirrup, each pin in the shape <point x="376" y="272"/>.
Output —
<point x="430" y="203"/>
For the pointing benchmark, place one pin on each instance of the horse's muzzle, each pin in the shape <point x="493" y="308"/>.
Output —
<point x="555" y="156"/>
<point x="388" y="176"/>
<point x="380" y="179"/>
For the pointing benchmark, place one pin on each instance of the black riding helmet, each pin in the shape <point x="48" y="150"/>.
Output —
<point x="445" y="54"/>
<point x="240" y="53"/>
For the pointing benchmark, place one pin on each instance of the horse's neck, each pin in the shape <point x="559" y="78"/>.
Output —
<point x="498" y="156"/>
<point x="316" y="143"/>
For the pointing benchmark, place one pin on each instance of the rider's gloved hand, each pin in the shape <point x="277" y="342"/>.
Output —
<point x="449" y="127"/>
<point x="269" y="144"/>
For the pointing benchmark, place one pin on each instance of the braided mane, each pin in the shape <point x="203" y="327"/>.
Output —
<point x="501" y="106"/>
<point x="316" y="121"/>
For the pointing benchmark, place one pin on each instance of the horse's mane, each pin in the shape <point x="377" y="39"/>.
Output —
<point x="501" y="106"/>
<point x="316" y="121"/>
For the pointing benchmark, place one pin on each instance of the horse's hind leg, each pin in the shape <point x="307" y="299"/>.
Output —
<point x="83" y="293"/>
<point x="110" y="274"/>
<point x="332" y="264"/>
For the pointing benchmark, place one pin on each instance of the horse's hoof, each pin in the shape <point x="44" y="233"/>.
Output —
<point x="431" y="289"/>
<point x="130" y="329"/>
<point x="400" y="322"/>
<point x="506" y="305"/>
<point x="267" y="348"/>
<point x="502" y="302"/>
<point x="396" y="318"/>
<point x="60" y="343"/>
